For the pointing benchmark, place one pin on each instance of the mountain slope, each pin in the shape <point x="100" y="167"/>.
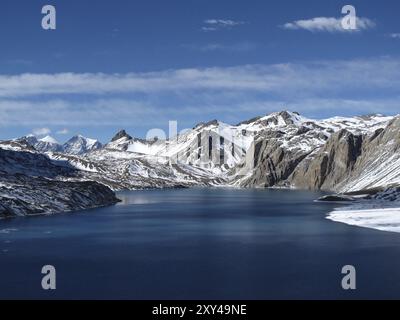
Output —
<point x="378" y="165"/>
<point x="293" y="151"/>
<point x="30" y="183"/>
<point x="121" y="170"/>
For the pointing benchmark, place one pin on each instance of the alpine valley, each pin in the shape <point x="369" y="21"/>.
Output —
<point x="357" y="158"/>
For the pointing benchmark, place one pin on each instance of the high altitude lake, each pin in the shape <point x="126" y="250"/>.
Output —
<point x="198" y="244"/>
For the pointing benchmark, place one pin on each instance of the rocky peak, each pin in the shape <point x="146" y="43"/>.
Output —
<point x="121" y="134"/>
<point x="30" y="140"/>
<point x="202" y="125"/>
<point x="79" y="144"/>
<point x="287" y="116"/>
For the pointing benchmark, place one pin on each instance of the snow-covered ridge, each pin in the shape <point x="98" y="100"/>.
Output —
<point x="77" y="145"/>
<point x="282" y="149"/>
<point x="221" y="150"/>
<point x="298" y="133"/>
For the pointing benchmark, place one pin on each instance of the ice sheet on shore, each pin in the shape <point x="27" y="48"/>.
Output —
<point x="383" y="219"/>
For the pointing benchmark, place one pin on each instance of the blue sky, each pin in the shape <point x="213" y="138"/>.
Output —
<point x="138" y="64"/>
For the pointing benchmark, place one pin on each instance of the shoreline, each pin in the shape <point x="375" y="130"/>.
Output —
<point x="383" y="219"/>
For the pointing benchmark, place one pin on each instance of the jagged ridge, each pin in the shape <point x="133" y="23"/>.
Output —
<point x="282" y="149"/>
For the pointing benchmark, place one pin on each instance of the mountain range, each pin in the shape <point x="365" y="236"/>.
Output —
<point x="280" y="150"/>
<point x="77" y="145"/>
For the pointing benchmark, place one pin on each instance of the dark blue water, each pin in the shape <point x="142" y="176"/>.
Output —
<point x="198" y="244"/>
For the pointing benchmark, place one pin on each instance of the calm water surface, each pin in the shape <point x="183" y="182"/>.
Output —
<point x="198" y="244"/>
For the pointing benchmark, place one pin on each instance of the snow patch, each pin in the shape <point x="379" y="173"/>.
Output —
<point x="49" y="139"/>
<point x="387" y="219"/>
<point x="380" y="211"/>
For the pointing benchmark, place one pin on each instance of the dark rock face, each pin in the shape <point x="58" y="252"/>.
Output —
<point x="121" y="134"/>
<point x="331" y="164"/>
<point x="27" y="141"/>
<point x="390" y="194"/>
<point x="5" y="212"/>
<point x="272" y="162"/>
<point x="336" y="198"/>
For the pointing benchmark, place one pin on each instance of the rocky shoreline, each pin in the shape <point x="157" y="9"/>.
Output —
<point x="37" y="196"/>
<point x="31" y="184"/>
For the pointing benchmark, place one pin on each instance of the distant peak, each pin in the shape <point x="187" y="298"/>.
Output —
<point x="276" y="118"/>
<point x="76" y="138"/>
<point x="79" y="137"/>
<point x="207" y="124"/>
<point x="121" y="134"/>
<point x="80" y="144"/>
<point x="286" y="114"/>
<point x="371" y="116"/>
<point x="49" y="139"/>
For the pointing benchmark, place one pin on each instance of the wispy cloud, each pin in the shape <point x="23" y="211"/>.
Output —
<point x="328" y="24"/>
<point x="376" y="73"/>
<point x="128" y="113"/>
<point x="227" y="93"/>
<point x="394" y="35"/>
<point x="20" y="62"/>
<point x="41" y="132"/>
<point x="63" y="132"/>
<point x="215" y="47"/>
<point x="220" y="24"/>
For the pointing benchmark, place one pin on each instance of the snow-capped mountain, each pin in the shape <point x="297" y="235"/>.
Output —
<point x="214" y="145"/>
<point x="30" y="139"/>
<point x="47" y="144"/>
<point x="282" y="149"/>
<point x="79" y="145"/>
<point x="293" y="151"/>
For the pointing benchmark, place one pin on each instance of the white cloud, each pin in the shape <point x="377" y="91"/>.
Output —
<point x="394" y="35"/>
<point x="63" y="131"/>
<point x="148" y="99"/>
<point x="128" y="113"/>
<point x="41" y="132"/>
<point x="220" y="24"/>
<point x="289" y="78"/>
<point x="327" y="24"/>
